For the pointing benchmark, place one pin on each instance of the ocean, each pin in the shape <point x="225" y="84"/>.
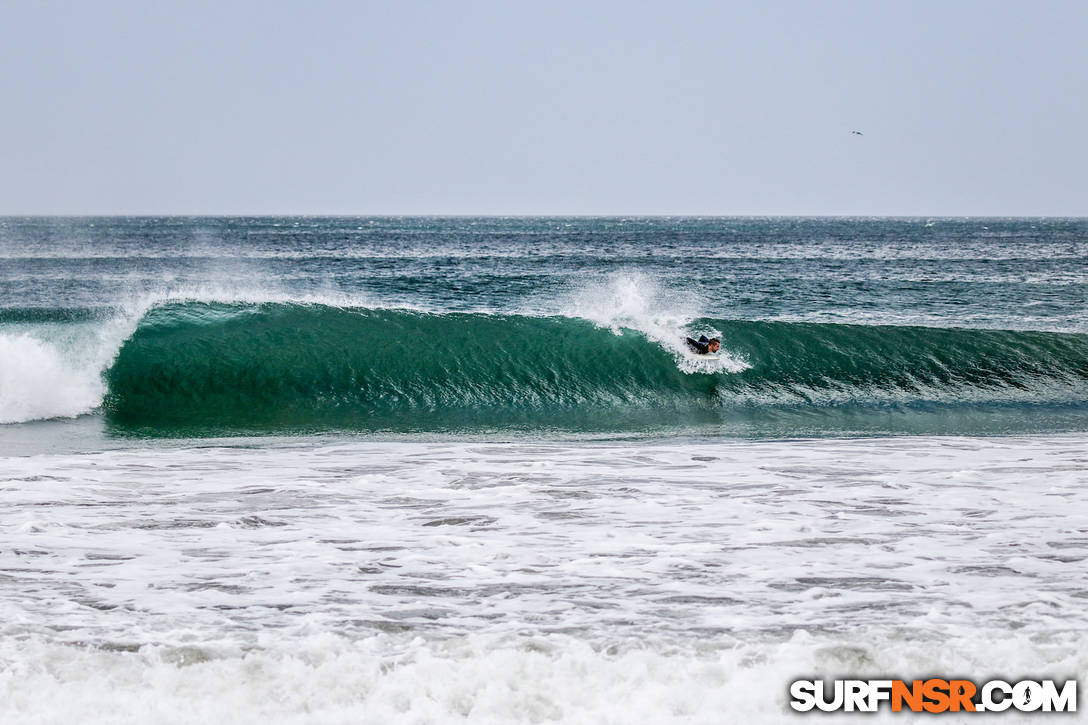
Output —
<point x="430" y="470"/>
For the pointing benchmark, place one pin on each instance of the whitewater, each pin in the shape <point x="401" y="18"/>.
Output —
<point x="425" y="470"/>
<point x="318" y="582"/>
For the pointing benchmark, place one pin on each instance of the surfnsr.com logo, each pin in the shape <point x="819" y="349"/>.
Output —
<point x="934" y="695"/>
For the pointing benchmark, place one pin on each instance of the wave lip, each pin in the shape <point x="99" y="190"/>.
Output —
<point x="235" y="367"/>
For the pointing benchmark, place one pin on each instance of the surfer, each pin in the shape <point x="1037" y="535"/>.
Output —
<point x="704" y="345"/>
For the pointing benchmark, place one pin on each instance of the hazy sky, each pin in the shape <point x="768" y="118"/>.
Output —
<point x="544" y="107"/>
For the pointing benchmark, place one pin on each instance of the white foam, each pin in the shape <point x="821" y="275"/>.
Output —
<point x="37" y="381"/>
<point x="635" y="301"/>
<point x="535" y="582"/>
<point x="481" y="679"/>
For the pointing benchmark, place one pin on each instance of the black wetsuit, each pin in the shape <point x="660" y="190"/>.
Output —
<point x="700" y="346"/>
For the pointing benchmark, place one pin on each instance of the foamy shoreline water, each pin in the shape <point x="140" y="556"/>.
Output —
<point x="495" y="582"/>
<point x="481" y="679"/>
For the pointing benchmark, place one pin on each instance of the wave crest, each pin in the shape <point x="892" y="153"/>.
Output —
<point x="243" y="367"/>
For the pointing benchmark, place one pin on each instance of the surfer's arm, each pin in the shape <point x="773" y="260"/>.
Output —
<point x="697" y="346"/>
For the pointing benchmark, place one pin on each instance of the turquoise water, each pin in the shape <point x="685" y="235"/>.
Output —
<point x="250" y="326"/>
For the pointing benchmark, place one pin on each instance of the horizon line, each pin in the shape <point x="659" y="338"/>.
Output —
<point x="439" y="215"/>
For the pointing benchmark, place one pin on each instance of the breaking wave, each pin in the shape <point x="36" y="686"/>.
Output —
<point x="283" y="366"/>
<point x="250" y="367"/>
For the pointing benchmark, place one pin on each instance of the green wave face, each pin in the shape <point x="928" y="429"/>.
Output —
<point x="199" y="368"/>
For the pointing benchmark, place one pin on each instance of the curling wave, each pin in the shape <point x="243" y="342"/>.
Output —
<point x="198" y="367"/>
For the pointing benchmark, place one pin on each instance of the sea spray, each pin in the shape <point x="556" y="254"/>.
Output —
<point x="632" y="301"/>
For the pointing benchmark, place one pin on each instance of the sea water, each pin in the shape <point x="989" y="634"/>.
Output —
<point x="421" y="470"/>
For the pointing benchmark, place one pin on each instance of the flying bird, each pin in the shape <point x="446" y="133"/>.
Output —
<point x="857" y="133"/>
